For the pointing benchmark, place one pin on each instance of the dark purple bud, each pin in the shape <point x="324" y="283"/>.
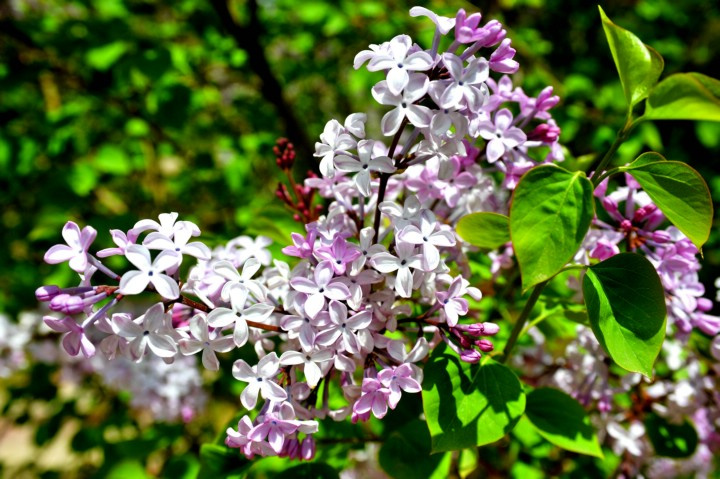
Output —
<point x="46" y="293"/>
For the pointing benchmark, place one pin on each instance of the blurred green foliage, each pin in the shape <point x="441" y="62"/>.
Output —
<point x="117" y="110"/>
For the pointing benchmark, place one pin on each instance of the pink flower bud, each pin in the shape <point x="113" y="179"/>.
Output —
<point x="704" y="305"/>
<point x="609" y="204"/>
<point x="307" y="448"/>
<point x="46" y="293"/>
<point x="470" y="356"/>
<point x="58" y="302"/>
<point x="661" y="237"/>
<point x="485" y="345"/>
<point x="490" y="329"/>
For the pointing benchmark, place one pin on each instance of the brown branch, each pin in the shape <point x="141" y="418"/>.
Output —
<point x="248" y="37"/>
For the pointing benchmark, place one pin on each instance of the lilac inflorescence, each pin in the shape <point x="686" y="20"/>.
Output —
<point x="379" y="280"/>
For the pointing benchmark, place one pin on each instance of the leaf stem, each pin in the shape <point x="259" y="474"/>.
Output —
<point x="520" y="323"/>
<point x="621" y="136"/>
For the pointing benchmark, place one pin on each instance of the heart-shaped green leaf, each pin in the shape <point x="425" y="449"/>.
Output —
<point x="639" y="65"/>
<point x="469" y="405"/>
<point x="550" y="214"/>
<point x="679" y="191"/>
<point x="563" y="421"/>
<point x="684" y="96"/>
<point x="626" y="306"/>
<point x="484" y="230"/>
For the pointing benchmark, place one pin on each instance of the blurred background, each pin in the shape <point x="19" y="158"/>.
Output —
<point x="117" y="110"/>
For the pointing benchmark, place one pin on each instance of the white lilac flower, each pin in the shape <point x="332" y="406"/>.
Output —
<point x="319" y="288"/>
<point x="363" y="164"/>
<point x="167" y="226"/>
<point x="239" y="315"/>
<point x="244" y="247"/>
<point x="146" y="332"/>
<point x="404" y="104"/>
<point x="201" y="341"/>
<point x="398" y="61"/>
<point x="501" y="135"/>
<point x="76" y="250"/>
<point x="443" y="24"/>
<point x="350" y="331"/>
<point x="260" y="380"/>
<point x="135" y="281"/>
<point x="401" y="217"/>
<point x="430" y="239"/>
<point x="178" y="244"/>
<point x="333" y="138"/>
<point x="239" y="283"/>
<point x="406" y="258"/>
<point x="122" y="241"/>
<point x="311" y="360"/>
<point x="467" y="85"/>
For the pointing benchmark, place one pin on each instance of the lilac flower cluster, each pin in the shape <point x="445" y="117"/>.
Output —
<point x="379" y="279"/>
<point x="384" y="255"/>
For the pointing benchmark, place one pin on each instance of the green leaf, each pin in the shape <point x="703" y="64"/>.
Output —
<point x="626" y="306"/>
<point x="638" y="65"/>
<point x="671" y="440"/>
<point x="684" y="96"/>
<point x="102" y="58"/>
<point x="680" y="193"/>
<point x="563" y="421"/>
<point x="406" y="453"/>
<point x="484" y="230"/>
<point x="221" y="461"/>
<point x="550" y="214"/>
<point x="469" y="405"/>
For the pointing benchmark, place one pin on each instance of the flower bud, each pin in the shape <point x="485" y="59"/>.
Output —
<point x="291" y="449"/>
<point x="470" y="356"/>
<point x="704" y="305"/>
<point x="609" y="204"/>
<point x="46" y="293"/>
<point x="58" y="302"/>
<point x="661" y="237"/>
<point x="485" y="345"/>
<point x="307" y="448"/>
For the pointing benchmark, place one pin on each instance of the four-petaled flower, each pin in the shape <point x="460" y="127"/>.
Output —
<point x="201" y="341"/>
<point x="76" y="250"/>
<point x="363" y="165"/>
<point x="146" y="332"/>
<point x="323" y="286"/>
<point x="135" y="281"/>
<point x="404" y="104"/>
<point x="259" y="379"/>
<point x="398" y="62"/>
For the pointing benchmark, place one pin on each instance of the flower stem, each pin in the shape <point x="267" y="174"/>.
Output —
<point x="384" y="177"/>
<point x="520" y="323"/>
